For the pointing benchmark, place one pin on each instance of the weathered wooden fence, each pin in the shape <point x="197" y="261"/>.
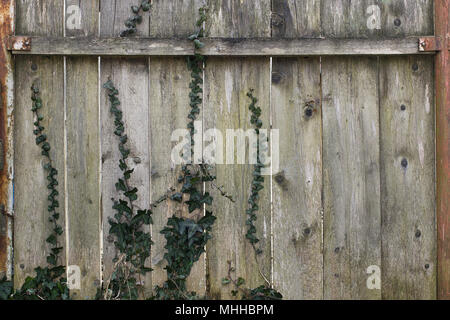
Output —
<point x="356" y="187"/>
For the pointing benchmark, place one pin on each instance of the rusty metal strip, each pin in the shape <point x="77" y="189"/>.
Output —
<point x="427" y="44"/>
<point x="6" y="134"/>
<point x="442" y="72"/>
<point x="19" y="43"/>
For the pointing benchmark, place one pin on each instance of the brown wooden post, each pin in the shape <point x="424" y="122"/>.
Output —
<point x="6" y="150"/>
<point x="442" y="66"/>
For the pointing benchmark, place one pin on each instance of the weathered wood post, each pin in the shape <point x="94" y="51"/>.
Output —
<point x="6" y="150"/>
<point x="442" y="72"/>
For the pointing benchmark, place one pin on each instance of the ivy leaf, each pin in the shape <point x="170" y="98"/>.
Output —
<point x="108" y="85"/>
<point x="240" y="281"/>
<point x="127" y="174"/>
<point x="120" y="185"/>
<point x="131" y="194"/>
<point x="51" y="259"/>
<point x="51" y="239"/>
<point x="198" y="44"/>
<point x="193" y="36"/>
<point x="135" y="9"/>
<point x="178" y="197"/>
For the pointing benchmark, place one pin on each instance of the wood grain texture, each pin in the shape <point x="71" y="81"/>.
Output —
<point x="169" y="108"/>
<point x="83" y="165"/>
<point x="296" y="19"/>
<point x="131" y="78"/>
<point x="408" y="194"/>
<point x="351" y="181"/>
<point x="227" y="82"/>
<point x="238" y="47"/>
<point x="376" y="211"/>
<point x="397" y="19"/>
<point x="88" y="23"/>
<point x="349" y="19"/>
<point x="236" y="18"/>
<point x="114" y="13"/>
<point x="31" y="227"/>
<point x="226" y="107"/>
<point x="407" y="178"/>
<point x="351" y="176"/>
<point x="83" y="173"/>
<point x="39" y="17"/>
<point x="175" y="18"/>
<point x="297" y="188"/>
<point x="442" y="69"/>
<point x="406" y="18"/>
<point x="169" y="87"/>
<point x="371" y="19"/>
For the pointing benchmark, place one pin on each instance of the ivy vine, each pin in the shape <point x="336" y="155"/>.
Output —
<point x="262" y="292"/>
<point x="258" y="179"/>
<point x="186" y="237"/>
<point x="132" y="22"/>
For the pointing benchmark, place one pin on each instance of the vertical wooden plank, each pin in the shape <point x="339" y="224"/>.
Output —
<point x="296" y="112"/>
<point x="7" y="8"/>
<point x="169" y="87"/>
<point x="351" y="176"/>
<point x="227" y="82"/>
<point x="442" y="84"/>
<point x="226" y="107"/>
<point x="31" y="227"/>
<point x="83" y="161"/>
<point x="351" y="181"/>
<point x="130" y="77"/>
<point x="407" y="193"/>
<point x="296" y="19"/>
<point x="169" y="108"/>
<point x="407" y="177"/>
<point x="297" y="188"/>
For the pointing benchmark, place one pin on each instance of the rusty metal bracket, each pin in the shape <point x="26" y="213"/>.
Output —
<point x="19" y="43"/>
<point x="432" y="44"/>
<point x="427" y="44"/>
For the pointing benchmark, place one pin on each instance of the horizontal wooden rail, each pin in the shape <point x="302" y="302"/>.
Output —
<point x="213" y="46"/>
